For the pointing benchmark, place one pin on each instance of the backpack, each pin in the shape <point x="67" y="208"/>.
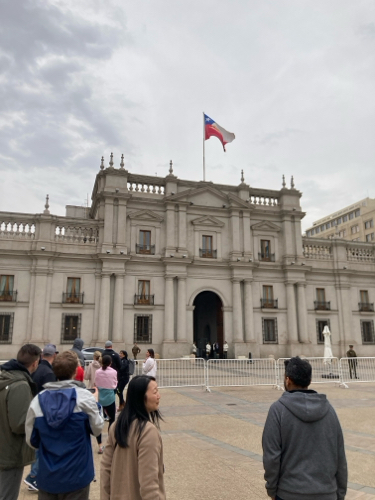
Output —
<point x="131" y="366"/>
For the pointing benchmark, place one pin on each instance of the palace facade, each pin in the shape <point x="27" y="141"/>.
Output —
<point x="165" y="261"/>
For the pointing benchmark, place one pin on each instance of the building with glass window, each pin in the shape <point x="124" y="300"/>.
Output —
<point x="353" y="223"/>
<point x="164" y="261"/>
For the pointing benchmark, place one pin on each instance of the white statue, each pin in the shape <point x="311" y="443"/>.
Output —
<point x="327" y="346"/>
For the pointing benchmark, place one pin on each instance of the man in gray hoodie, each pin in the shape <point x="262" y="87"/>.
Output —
<point x="77" y="348"/>
<point x="303" y="444"/>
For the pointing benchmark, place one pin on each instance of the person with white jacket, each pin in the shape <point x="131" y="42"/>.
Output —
<point x="149" y="366"/>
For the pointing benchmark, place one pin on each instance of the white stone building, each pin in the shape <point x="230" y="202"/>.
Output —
<point x="166" y="261"/>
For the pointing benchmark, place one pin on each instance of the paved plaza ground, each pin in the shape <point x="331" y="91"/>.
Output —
<point x="212" y="441"/>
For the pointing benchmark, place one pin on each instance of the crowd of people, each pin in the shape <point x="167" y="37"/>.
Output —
<point x="47" y="417"/>
<point x="48" y="414"/>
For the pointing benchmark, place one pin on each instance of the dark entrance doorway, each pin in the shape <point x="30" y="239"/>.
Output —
<point x="208" y="321"/>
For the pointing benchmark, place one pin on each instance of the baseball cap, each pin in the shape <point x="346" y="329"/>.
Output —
<point x="50" y="349"/>
<point x="108" y="343"/>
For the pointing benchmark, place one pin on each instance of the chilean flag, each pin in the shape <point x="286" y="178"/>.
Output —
<point x="211" y="128"/>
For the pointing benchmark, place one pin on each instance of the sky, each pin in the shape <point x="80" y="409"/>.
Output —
<point x="294" y="80"/>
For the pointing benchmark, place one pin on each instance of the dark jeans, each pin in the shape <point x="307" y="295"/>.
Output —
<point x="81" y="494"/>
<point x="122" y="383"/>
<point x="10" y="482"/>
<point x="111" y="412"/>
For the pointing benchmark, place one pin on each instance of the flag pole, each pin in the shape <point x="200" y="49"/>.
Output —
<point x="204" y="151"/>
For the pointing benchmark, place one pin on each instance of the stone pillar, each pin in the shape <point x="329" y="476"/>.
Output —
<point x="247" y="248"/>
<point x="46" y="330"/>
<point x="104" y="308"/>
<point x="170" y="229"/>
<point x="235" y="224"/>
<point x="182" y="228"/>
<point x="291" y="314"/>
<point x="121" y="228"/>
<point x="345" y="320"/>
<point x="249" y="312"/>
<point x="39" y="307"/>
<point x="95" y="333"/>
<point x="302" y="314"/>
<point x="118" y="309"/>
<point x="31" y="308"/>
<point x="168" y="310"/>
<point x="237" y="310"/>
<point x="108" y="222"/>
<point x="181" y="310"/>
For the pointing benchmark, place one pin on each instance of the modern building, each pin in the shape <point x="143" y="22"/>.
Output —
<point x="165" y="261"/>
<point x="353" y="223"/>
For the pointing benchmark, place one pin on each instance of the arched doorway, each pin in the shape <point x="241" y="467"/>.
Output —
<point x="208" y="321"/>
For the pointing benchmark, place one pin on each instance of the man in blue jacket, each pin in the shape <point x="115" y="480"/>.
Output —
<point x="58" y="424"/>
<point x="303" y="445"/>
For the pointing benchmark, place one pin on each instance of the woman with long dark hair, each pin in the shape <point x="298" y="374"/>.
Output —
<point x="123" y="378"/>
<point x="132" y="465"/>
<point x="106" y="382"/>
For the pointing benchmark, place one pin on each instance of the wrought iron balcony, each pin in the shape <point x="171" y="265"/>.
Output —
<point x="269" y="303"/>
<point x="72" y="298"/>
<point x="145" y="249"/>
<point x="206" y="253"/>
<point x="366" y="306"/>
<point x="266" y="257"/>
<point x="8" y="296"/>
<point x="144" y="300"/>
<point x="322" y="305"/>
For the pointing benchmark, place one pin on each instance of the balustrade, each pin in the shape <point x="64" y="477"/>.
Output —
<point x="77" y="234"/>
<point x="316" y="251"/>
<point x="270" y="201"/>
<point x="15" y="230"/>
<point x="360" y="254"/>
<point x="145" y="187"/>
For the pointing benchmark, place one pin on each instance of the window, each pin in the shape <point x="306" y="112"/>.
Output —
<point x="73" y="288"/>
<point x="367" y="330"/>
<point x="6" y="288"/>
<point x="369" y="237"/>
<point x="265" y="251"/>
<point x="145" y="246"/>
<point x="328" y="225"/>
<point x="6" y="327"/>
<point x="143" y="296"/>
<point x="317" y="230"/>
<point x="364" y="304"/>
<point x="269" y="327"/>
<point x="71" y="328"/>
<point x="345" y="218"/>
<point x="322" y="228"/>
<point x="312" y="232"/>
<point x="339" y="220"/>
<point x="308" y="233"/>
<point x="363" y="296"/>
<point x="354" y="229"/>
<point x="369" y="224"/>
<point x="357" y="213"/>
<point x="351" y="216"/>
<point x="320" y="324"/>
<point x="143" y="328"/>
<point x="342" y="233"/>
<point x="207" y="250"/>
<point x="268" y="301"/>
<point x="320" y="303"/>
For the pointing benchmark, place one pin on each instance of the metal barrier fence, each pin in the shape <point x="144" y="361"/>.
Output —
<point x="357" y="370"/>
<point x="180" y="372"/>
<point x="240" y="372"/>
<point x="322" y="373"/>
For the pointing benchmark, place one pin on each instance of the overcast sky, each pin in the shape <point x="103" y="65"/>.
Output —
<point x="294" y="80"/>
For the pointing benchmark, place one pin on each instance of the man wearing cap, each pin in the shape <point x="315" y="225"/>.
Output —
<point x="116" y="361"/>
<point x="41" y="376"/>
<point x="352" y="362"/>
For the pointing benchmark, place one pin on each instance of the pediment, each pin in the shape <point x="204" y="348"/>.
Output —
<point x="210" y="197"/>
<point x="265" y="226"/>
<point x="207" y="221"/>
<point x="145" y="215"/>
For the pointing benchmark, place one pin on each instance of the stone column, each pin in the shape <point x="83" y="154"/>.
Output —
<point x="95" y="333"/>
<point x="121" y="229"/>
<point x="235" y="224"/>
<point x="249" y="312"/>
<point x="291" y="313"/>
<point x="345" y="319"/>
<point x="46" y="330"/>
<point x="302" y="314"/>
<point x="31" y="308"/>
<point x="108" y="221"/>
<point x="104" y="308"/>
<point x="168" y="310"/>
<point x="247" y="248"/>
<point x="118" y="309"/>
<point x="182" y="228"/>
<point x="181" y="310"/>
<point x="170" y="229"/>
<point x="39" y="306"/>
<point x="237" y="310"/>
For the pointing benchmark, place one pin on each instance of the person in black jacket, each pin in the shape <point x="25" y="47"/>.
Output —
<point x="123" y="378"/>
<point x="41" y="376"/>
<point x="116" y="362"/>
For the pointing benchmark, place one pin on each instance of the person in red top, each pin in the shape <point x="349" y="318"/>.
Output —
<point x="80" y="374"/>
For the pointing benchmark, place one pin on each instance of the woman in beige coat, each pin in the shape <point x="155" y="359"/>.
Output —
<point x="91" y="369"/>
<point x="132" y="465"/>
